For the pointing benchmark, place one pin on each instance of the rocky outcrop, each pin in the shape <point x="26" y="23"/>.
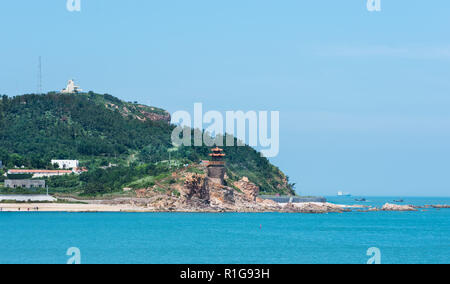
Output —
<point x="250" y="190"/>
<point x="156" y="117"/>
<point x="193" y="192"/>
<point x="313" y="207"/>
<point x="441" y="206"/>
<point x="220" y="195"/>
<point x="394" y="207"/>
<point x="194" y="188"/>
<point x="437" y="206"/>
<point x="141" y="112"/>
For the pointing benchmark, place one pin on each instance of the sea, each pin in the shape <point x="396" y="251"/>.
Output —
<point x="421" y="237"/>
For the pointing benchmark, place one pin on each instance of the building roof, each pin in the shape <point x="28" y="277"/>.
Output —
<point x="217" y="155"/>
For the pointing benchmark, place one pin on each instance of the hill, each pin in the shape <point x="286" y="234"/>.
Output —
<point x="121" y="143"/>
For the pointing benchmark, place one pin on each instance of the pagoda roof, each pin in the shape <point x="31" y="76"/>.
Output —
<point x="217" y="155"/>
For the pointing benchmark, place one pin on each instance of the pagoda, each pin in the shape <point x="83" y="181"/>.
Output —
<point x="216" y="166"/>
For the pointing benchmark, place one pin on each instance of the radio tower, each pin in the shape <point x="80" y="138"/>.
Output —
<point x="40" y="76"/>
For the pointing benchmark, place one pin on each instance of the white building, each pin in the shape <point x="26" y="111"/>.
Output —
<point x="71" y="88"/>
<point x="66" y="164"/>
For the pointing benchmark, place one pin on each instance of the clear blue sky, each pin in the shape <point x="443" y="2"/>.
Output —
<point x="364" y="97"/>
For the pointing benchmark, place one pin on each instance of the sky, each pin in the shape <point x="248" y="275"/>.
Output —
<point x="363" y="96"/>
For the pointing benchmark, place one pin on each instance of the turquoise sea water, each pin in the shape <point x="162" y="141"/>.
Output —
<point x="402" y="237"/>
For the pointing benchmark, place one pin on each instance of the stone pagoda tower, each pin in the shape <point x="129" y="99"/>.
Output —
<point x="216" y="167"/>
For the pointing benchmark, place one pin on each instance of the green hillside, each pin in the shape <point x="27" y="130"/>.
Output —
<point x="101" y="129"/>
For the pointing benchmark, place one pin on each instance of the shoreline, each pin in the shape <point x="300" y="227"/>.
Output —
<point x="109" y="208"/>
<point x="104" y="208"/>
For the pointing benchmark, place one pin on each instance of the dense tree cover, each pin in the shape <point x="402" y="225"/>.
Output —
<point x="102" y="181"/>
<point x="34" y="129"/>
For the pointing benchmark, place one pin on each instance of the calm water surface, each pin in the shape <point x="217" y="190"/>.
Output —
<point x="402" y="237"/>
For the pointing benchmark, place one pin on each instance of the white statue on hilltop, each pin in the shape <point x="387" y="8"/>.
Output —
<point x="71" y="88"/>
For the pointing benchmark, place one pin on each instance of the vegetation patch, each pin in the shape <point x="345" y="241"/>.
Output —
<point x="112" y="141"/>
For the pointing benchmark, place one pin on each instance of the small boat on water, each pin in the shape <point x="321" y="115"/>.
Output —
<point x="341" y="193"/>
<point x="399" y="201"/>
<point x="361" y="200"/>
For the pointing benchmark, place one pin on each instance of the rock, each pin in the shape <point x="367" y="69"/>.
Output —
<point x="323" y="208"/>
<point x="394" y="207"/>
<point x="440" y="206"/>
<point x="221" y="196"/>
<point x="267" y="202"/>
<point x="250" y="190"/>
<point x="156" y="117"/>
<point x="200" y="193"/>
<point x="195" y="188"/>
<point x="312" y="207"/>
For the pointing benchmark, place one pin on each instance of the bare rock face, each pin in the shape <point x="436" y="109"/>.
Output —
<point x="220" y="195"/>
<point x="250" y="190"/>
<point x="156" y="117"/>
<point x="394" y="207"/>
<point x="195" y="188"/>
